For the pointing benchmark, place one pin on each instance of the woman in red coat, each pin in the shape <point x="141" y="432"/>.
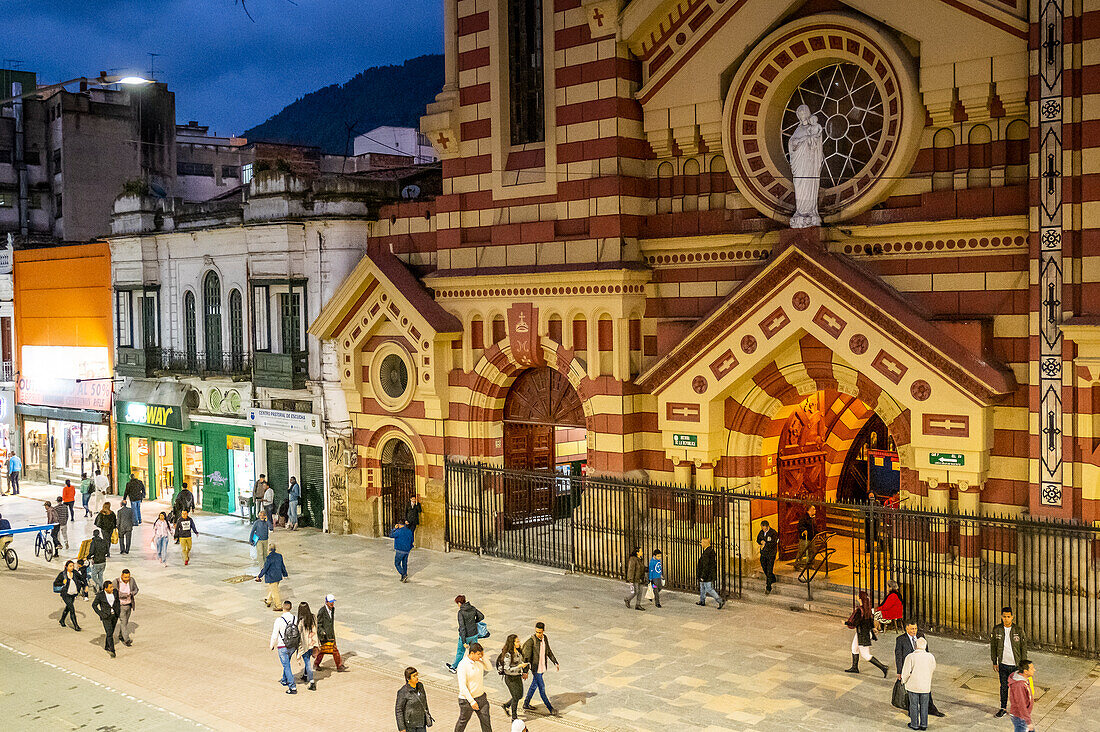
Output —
<point x="892" y="608"/>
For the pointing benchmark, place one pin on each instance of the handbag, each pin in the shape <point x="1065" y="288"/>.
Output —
<point x="428" y="719"/>
<point x="153" y="545"/>
<point x="252" y="551"/>
<point x="114" y="536"/>
<point x="482" y="630"/>
<point x="900" y="697"/>
<point x="649" y="591"/>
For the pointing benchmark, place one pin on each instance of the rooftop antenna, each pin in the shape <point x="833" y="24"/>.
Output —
<point x="152" y="64"/>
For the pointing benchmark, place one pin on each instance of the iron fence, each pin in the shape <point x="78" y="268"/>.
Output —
<point x="954" y="572"/>
<point x="398" y="487"/>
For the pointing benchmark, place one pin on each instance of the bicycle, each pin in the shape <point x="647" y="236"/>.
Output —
<point x="11" y="558"/>
<point x="43" y="544"/>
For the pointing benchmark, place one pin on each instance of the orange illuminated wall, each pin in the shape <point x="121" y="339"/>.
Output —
<point x="63" y="297"/>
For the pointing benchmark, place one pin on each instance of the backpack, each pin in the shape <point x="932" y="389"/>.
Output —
<point x="291" y="637"/>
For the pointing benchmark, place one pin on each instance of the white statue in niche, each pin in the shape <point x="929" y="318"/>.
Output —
<point x="806" y="155"/>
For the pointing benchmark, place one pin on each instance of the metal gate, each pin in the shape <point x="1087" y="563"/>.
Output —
<point x="311" y="460"/>
<point x="398" y="487"/>
<point x="592" y="524"/>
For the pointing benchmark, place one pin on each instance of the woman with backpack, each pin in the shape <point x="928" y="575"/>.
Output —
<point x="307" y="631"/>
<point x="862" y="621"/>
<point x="513" y="668"/>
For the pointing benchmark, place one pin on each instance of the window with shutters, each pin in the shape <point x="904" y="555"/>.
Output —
<point x="236" y="330"/>
<point x="525" y="71"/>
<point x="212" y="320"/>
<point x="190" y="337"/>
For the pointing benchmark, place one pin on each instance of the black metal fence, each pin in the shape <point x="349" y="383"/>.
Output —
<point x="954" y="572"/>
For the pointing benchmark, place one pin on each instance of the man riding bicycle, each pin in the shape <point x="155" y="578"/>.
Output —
<point x="5" y="525"/>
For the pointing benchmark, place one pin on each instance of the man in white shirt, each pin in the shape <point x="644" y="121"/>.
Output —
<point x="278" y="642"/>
<point x="101" y="485"/>
<point x="269" y="506"/>
<point x="916" y="674"/>
<point x="471" y="689"/>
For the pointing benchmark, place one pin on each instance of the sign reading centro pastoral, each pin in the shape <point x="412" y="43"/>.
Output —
<point x="679" y="440"/>
<point x="279" y="420"/>
<point x="154" y="415"/>
<point x="950" y="459"/>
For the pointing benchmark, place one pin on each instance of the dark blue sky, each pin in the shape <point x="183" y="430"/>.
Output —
<point x="226" y="70"/>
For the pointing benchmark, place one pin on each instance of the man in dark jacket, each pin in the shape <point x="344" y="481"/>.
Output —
<point x="272" y="573"/>
<point x="536" y="651"/>
<point x="903" y="646"/>
<point x="1007" y="648"/>
<point x="326" y="634"/>
<point x="412" y="704"/>
<point x="635" y="577"/>
<point x="768" y="541"/>
<point x="807" y="530"/>
<point x="125" y="519"/>
<point x="412" y="513"/>
<point x="107" y="523"/>
<point x="97" y="553"/>
<point x="402" y="544"/>
<point x="106" y="606"/>
<point x="135" y="493"/>
<point x="468" y="618"/>
<point x="706" y="571"/>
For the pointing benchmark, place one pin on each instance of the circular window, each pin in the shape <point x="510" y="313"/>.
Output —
<point x="849" y="108"/>
<point x="394" y="376"/>
<point x="862" y="86"/>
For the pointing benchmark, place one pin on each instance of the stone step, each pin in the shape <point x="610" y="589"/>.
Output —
<point x="828" y="599"/>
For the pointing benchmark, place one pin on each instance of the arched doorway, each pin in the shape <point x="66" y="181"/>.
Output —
<point x="398" y="481"/>
<point x="861" y="478"/>
<point x="544" y="430"/>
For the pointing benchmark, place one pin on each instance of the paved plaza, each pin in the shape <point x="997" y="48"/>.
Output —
<point x="200" y="656"/>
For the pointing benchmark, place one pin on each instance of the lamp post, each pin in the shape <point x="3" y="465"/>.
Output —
<point x="102" y="80"/>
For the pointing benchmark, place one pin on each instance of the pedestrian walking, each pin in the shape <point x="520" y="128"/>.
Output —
<point x="107" y="523"/>
<point x="269" y="504"/>
<point x="1007" y="648"/>
<point x="68" y="498"/>
<point x="807" y="530"/>
<point x="61" y="521"/>
<point x="272" y="573"/>
<point x="916" y="674"/>
<point x="101" y="485"/>
<point x="905" y="644"/>
<point x="86" y="488"/>
<point x="161" y="533"/>
<point x="294" y="497"/>
<point x="69" y="583"/>
<point x="471" y="689"/>
<point x="82" y="570"/>
<point x="768" y="541"/>
<point x="1021" y="696"/>
<point x="656" y="575"/>
<point x="184" y="501"/>
<point x="706" y="571"/>
<point x="412" y="704"/>
<point x="106" y="606"/>
<point x="862" y="621"/>
<point x="125" y="524"/>
<point x="15" y="466"/>
<point x="97" y="552"/>
<point x="135" y="493"/>
<point x="412" y="513"/>
<point x="185" y="529"/>
<point x="307" y="631"/>
<point x="513" y="668"/>
<point x="127" y="590"/>
<point x="635" y="577"/>
<point x="258" y="536"/>
<point x="258" y="491"/>
<point x="536" y="652"/>
<point x="468" y="631"/>
<point x="285" y="640"/>
<point x="402" y="537"/>
<point x="326" y="633"/>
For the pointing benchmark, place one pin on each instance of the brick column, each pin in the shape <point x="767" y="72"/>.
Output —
<point x="970" y="549"/>
<point x="938" y="500"/>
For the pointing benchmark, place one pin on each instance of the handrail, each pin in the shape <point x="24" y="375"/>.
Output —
<point x="820" y="548"/>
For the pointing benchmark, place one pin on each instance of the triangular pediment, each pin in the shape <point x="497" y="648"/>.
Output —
<point x="872" y="326"/>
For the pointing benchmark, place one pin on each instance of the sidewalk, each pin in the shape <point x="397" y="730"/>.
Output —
<point x="747" y="667"/>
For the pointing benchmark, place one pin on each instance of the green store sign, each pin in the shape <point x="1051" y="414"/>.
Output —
<point x="167" y="416"/>
<point x="949" y="459"/>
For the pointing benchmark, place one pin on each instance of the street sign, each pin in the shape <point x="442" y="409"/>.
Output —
<point x="951" y="459"/>
<point x="679" y="440"/>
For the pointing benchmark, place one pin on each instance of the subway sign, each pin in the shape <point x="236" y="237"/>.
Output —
<point x="168" y="416"/>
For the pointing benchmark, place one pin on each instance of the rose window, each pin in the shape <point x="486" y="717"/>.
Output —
<point x="849" y="109"/>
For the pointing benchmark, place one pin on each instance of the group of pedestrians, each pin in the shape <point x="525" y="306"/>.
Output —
<point x="646" y="580"/>
<point x="114" y="601"/>
<point x="309" y="637"/>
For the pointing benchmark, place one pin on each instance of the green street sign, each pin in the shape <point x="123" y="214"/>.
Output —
<point x="685" y="440"/>
<point x="950" y="459"/>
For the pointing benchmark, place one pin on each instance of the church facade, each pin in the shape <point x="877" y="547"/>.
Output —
<point x="610" y="283"/>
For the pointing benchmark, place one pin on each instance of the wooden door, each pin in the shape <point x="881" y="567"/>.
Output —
<point x="802" y="477"/>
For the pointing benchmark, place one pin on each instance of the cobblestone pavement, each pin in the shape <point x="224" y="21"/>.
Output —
<point x="746" y="667"/>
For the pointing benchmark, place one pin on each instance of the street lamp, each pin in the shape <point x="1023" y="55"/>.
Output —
<point x="102" y="80"/>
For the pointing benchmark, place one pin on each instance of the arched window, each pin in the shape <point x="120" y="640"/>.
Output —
<point x="980" y="157"/>
<point x="664" y="187"/>
<point x="1016" y="153"/>
<point x="525" y="70"/>
<point x="212" y="320"/>
<point x="190" y="339"/>
<point x="943" y="160"/>
<point x="691" y="185"/>
<point x="236" y="330"/>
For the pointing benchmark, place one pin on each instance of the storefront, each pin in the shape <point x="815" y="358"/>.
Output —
<point x="161" y="444"/>
<point x="289" y="444"/>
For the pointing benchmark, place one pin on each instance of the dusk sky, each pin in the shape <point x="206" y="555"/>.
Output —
<point x="226" y="70"/>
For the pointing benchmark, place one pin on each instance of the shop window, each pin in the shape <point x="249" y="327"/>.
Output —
<point x="212" y="320"/>
<point x="192" y="469"/>
<point x="236" y="330"/>
<point x="525" y="71"/>
<point x="139" y="459"/>
<point x="980" y="157"/>
<point x="943" y="160"/>
<point x="190" y="332"/>
<point x="164" y="463"/>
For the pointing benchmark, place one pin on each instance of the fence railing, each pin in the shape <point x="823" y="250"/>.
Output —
<point x="954" y="572"/>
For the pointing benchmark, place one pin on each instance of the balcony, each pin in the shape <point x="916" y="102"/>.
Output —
<point x="143" y="362"/>
<point x="280" y="370"/>
<point x="135" y="361"/>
